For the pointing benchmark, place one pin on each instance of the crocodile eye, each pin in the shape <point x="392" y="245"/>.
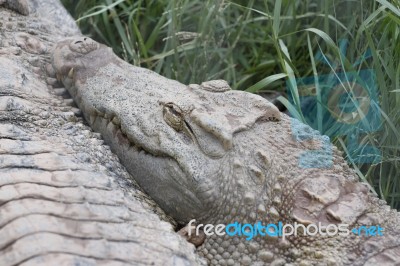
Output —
<point x="173" y="116"/>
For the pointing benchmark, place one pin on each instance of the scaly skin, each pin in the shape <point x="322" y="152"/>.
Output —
<point x="208" y="153"/>
<point x="20" y="6"/>
<point x="65" y="199"/>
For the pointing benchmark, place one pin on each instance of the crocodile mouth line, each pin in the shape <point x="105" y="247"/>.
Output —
<point x="92" y="116"/>
<point x="123" y="141"/>
<point x="118" y="129"/>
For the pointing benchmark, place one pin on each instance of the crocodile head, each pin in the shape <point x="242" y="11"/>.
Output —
<point x="177" y="141"/>
<point x="217" y="155"/>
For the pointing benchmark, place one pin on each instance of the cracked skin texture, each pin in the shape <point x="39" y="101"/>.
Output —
<point x="65" y="199"/>
<point x="208" y="153"/>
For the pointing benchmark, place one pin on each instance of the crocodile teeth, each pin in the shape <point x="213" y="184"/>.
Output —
<point x="116" y="121"/>
<point x="71" y="73"/>
<point x="92" y="119"/>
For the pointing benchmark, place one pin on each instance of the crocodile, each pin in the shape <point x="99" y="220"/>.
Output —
<point x="219" y="156"/>
<point x="65" y="199"/>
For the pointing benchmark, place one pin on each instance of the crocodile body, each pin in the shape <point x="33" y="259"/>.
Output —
<point x="65" y="199"/>
<point x="209" y="153"/>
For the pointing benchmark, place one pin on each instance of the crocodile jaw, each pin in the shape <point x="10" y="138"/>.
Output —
<point x="125" y="104"/>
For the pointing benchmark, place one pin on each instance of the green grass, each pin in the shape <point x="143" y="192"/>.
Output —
<point x="267" y="45"/>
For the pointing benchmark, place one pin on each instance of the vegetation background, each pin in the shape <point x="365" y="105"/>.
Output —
<point x="270" y="46"/>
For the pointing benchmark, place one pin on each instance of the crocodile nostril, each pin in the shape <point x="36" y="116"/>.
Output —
<point x="84" y="39"/>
